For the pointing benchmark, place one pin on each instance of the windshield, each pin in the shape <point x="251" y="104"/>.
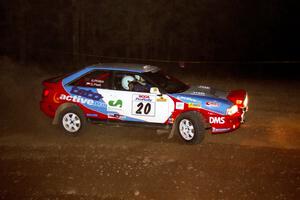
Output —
<point x="167" y="82"/>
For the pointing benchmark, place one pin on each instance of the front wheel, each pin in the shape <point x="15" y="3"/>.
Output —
<point x="72" y="120"/>
<point x="190" y="127"/>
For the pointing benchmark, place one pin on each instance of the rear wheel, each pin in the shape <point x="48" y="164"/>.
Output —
<point x="190" y="127"/>
<point x="72" y="120"/>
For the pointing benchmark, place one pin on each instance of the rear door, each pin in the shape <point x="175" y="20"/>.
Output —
<point x="86" y="90"/>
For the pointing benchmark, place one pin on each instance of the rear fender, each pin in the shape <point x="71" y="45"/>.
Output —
<point x="61" y="108"/>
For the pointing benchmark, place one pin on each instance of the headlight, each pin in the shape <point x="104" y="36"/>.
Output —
<point x="246" y="101"/>
<point x="233" y="109"/>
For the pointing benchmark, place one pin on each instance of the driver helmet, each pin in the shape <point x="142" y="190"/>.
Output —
<point x="125" y="81"/>
<point x="140" y="79"/>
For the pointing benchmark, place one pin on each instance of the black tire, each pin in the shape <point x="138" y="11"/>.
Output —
<point x="74" y="114"/>
<point x="190" y="127"/>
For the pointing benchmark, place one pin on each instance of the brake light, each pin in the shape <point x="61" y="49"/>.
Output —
<point x="46" y="92"/>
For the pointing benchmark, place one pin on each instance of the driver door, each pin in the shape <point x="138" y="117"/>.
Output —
<point x="126" y="105"/>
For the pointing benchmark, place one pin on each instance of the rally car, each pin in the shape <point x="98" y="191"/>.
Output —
<point x="140" y="95"/>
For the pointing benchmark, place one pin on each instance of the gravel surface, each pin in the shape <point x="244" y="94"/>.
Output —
<point x="261" y="160"/>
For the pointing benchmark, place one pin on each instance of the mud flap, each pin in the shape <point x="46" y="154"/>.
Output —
<point x="172" y="133"/>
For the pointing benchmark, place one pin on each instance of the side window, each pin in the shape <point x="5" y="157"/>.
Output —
<point x="131" y="82"/>
<point x="95" y="79"/>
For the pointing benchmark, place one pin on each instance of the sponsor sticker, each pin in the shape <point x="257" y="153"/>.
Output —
<point x="212" y="104"/>
<point x="115" y="103"/>
<point x="194" y="105"/>
<point x="91" y="115"/>
<point x="161" y="99"/>
<point x="86" y="93"/>
<point x="179" y="105"/>
<point x="145" y="98"/>
<point x="217" y="120"/>
<point x="188" y="99"/>
<point x="115" y="116"/>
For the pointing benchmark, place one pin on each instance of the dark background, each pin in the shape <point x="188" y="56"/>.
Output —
<point x="232" y="38"/>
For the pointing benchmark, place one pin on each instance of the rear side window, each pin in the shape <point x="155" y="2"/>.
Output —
<point x="94" y="79"/>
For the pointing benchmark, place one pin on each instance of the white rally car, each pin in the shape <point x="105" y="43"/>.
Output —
<point x="143" y="95"/>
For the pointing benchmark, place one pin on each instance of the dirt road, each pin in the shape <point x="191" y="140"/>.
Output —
<point x="261" y="160"/>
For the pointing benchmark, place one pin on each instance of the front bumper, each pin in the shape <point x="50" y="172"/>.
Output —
<point x="227" y="124"/>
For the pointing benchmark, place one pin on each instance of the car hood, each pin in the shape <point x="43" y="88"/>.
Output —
<point x="201" y="90"/>
<point x="205" y="97"/>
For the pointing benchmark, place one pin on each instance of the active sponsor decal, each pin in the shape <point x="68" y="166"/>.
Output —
<point x="115" y="103"/>
<point x="194" y="105"/>
<point x="179" y="105"/>
<point x="82" y="100"/>
<point x="216" y="120"/>
<point x="56" y="98"/>
<point x="212" y="104"/>
<point x="86" y="93"/>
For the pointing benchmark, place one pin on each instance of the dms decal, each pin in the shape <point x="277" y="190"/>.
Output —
<point x="79" y="99"/>
<point x="217" y="120"/>
<point x="86" y="93"/>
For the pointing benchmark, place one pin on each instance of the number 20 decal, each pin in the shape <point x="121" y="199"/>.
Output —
<point x="143" y="105"/>
<point x="143" y="109"/>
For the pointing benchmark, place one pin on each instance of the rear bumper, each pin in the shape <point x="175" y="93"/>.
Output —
<point x="48" y="108"/>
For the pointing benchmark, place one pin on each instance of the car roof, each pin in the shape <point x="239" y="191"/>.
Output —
<point x="139" y="68"/>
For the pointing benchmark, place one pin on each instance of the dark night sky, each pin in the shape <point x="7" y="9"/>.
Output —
<point x="202" y="30"/>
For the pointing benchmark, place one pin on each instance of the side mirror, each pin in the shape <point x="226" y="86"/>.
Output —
<point x="155" y="90"/>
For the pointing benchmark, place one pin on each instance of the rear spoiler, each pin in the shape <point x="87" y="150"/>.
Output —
<point x="53" y="80"/>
